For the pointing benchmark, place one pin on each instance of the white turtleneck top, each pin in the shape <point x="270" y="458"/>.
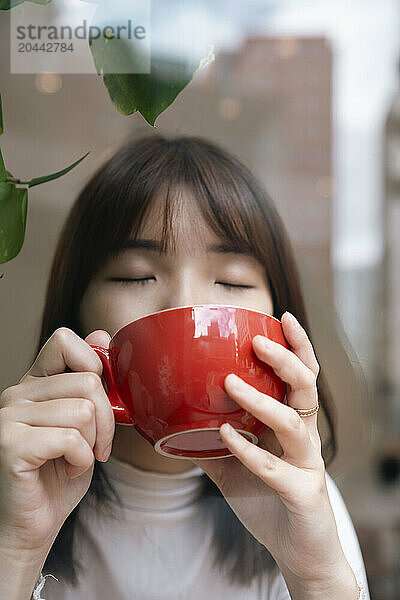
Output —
<point x="160" y="545"/>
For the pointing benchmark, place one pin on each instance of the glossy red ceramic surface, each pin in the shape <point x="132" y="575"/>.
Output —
<point x="165" y="375"/>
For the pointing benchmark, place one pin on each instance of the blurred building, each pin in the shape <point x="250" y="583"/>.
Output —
<point x="293" y="76"/>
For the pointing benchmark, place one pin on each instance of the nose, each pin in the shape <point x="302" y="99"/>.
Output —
<point x="184" y="291"/>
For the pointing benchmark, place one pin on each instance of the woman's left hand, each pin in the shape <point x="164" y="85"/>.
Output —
<point x="282" y="498"/>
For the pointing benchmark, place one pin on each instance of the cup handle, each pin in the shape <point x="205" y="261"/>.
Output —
<point x="120" y="411"/>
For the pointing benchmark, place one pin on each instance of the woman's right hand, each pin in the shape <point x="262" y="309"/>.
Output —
<point x="53" y="424"/>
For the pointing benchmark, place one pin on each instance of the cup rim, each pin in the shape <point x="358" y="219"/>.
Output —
<point x="157" y="312"/>
<point x="157" y="446"/>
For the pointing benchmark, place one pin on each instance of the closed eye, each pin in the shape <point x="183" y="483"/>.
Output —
<point x="234" y="285"/>
<point x="125" y="280"/>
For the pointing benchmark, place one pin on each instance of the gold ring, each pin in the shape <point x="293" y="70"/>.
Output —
<point x="307" y="412"/>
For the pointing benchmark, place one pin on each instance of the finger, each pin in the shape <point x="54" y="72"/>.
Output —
<point x="63" y="385"/>
<point x="78" y="413"/>
<point x="285" y="363"/>
<point x="288" y="427"/>
<point x="63" y="350"/>
<point x="99" y="337"/>
<point x="291" y="370"/>
<point x="299" y="341"/>
<point x="70" y="385"/>
<point x="40" y="444"/>
<point x="274" y="471"/>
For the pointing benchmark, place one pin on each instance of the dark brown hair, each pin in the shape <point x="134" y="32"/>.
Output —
<point x="109" y="210"/>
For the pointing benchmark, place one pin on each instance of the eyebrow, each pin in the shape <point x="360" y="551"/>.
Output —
<point x="155" y="246"/>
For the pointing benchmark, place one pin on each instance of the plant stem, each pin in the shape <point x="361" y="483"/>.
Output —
<point x="15" y="180"/>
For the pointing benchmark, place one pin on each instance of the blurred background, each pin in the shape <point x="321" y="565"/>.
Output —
<point x="307" y="94"/>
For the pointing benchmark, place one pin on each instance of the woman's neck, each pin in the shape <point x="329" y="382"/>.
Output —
<point x="130" y="447"/>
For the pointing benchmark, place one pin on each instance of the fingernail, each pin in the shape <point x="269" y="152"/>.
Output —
<point x="229" y="430"/>
<point x="264" y="341"/>
<point x="236" y="381"/>
<point x="106" y="454"/>
<point x="291" y="317"/>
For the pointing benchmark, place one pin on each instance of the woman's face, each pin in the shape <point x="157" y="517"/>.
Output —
<point x="199" y="270"/>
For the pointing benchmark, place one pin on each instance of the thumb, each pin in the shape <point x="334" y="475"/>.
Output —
<point x="99" y="337"/>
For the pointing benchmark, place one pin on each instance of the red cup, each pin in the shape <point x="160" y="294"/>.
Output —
<point x="165" y="375"/>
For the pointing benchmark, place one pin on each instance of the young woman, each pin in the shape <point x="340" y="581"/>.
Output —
<point x="169" y="222"/>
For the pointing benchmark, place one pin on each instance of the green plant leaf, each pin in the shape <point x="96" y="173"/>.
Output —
<point x="8" y="4"/>
<point x="13" y="209"/>
<point x="45" y="178"/>
<point x="149" y="93"/>
<point x="1" y="117"/>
